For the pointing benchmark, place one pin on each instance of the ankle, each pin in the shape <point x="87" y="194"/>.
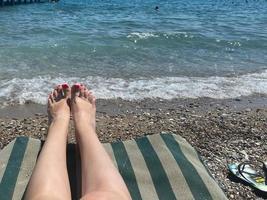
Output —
<point x="83" y="120"/>
<point x="84" y="128"/>
<point x="60" y="119"/>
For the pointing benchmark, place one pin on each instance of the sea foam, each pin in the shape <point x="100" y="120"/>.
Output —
<point x="20" y="91"/>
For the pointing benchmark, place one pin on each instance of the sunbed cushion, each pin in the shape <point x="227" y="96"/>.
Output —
<point x="162" y="166"/>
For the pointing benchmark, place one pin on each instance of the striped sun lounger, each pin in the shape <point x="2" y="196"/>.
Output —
<point x="162" y="166"/>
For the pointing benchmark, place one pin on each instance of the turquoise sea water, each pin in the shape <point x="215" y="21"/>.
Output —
<point x="123" y="48"/>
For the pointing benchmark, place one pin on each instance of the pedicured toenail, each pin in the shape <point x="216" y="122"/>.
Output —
<point x="65" y="86"/>
<point x="77" y="86"/>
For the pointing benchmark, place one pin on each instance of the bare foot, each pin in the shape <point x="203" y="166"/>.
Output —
<point x="83" y="106"/>
<point x="58" y="107"/>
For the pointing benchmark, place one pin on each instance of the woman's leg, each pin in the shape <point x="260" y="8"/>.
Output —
<point x="100" y="178"/>
<point x="50" y="178"/>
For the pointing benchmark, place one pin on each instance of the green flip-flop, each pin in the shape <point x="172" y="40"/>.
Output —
<point x="246" y="173"/>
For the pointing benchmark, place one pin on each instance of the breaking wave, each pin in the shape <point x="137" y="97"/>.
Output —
<point x="21" y="91"/>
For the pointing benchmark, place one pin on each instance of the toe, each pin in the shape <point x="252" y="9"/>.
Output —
<point x="51" y="98"/>
<point x="75" y="90"/>
<point x="66" y="90"/>
<point x="55" y="94"/>
<point x="49" y="102"/>
<point x="93" y="101"/>
<point x="86" y="93"/>
<point x="82" y="91"/>
<point x="90" y="97"/>
<point x="60" y="92"/>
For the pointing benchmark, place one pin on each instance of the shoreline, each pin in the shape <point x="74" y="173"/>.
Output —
<point x="120" y="106"/>
<point x="221" y="130"/>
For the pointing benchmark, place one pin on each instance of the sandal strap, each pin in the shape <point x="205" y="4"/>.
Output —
<point x="242" y="166"/>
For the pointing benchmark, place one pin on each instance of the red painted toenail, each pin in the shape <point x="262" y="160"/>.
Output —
<point x="65" y="86"/>
<point x="77" y="86"/>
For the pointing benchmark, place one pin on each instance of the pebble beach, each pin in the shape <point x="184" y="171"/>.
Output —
<point x="222" y="131"/>
<point x="190" y="67"/>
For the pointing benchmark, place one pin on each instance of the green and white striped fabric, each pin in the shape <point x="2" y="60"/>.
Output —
<point x="17" y="161"/>
<point x="154" y="167"/>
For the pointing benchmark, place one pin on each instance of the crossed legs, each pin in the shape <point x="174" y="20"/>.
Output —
<point x="100" y="179"/>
